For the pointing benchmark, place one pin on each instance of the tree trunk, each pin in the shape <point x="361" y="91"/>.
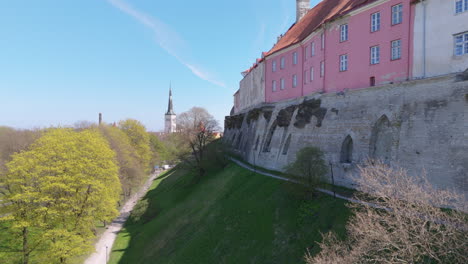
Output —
<point x="25" y="246"/>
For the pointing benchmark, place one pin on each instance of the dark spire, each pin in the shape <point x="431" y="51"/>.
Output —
<point x="170" y="109"/>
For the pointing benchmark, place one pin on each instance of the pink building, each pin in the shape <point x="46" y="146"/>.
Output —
<point x="339" y="45"/>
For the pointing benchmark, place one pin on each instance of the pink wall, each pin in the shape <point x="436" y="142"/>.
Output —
<point x="357" y="47"/>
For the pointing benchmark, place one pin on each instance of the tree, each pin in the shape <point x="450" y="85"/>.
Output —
<point x="309" y="163"/>
<point x="56" y="190"/>
<point x="131" y="169"/>
<point x="402" y="222"/>
<point x="12" y="141"/>
<point x="139" y="138"/>
<point x="198" y="127"/>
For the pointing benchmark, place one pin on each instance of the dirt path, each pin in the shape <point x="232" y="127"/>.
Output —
<point x="104" y="245"/>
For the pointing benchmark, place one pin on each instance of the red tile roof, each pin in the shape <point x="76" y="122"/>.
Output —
<point x="323" y="12"/>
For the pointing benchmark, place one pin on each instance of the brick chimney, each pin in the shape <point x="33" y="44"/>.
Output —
<point x="302" y="6"/>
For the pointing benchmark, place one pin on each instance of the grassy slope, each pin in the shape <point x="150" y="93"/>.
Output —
<point x="233" y="216"/>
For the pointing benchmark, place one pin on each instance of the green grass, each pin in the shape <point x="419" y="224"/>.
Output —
<point x="230" y="216"/>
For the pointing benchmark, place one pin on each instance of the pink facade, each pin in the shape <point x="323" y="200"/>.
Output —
<point x="358" y="71"/>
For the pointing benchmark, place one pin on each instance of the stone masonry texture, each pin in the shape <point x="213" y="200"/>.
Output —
<point x="421" y="126"/>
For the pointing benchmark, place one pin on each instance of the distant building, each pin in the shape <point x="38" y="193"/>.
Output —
<point x="170" y="117"/>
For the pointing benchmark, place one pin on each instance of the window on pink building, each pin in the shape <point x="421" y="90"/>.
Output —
<point x="322" y="39"/>
<point x="294" y="81"/>
<point x="294" y="58"/>
<point x="397" y="14"/>
<point x="312" y="49"/>
<point x="344" y="32"/>
<point x="273" y="66"/>
<point x="273" y="86"/>
<point x="375" y="55"/>
<point x="305" y="52"/>
<point x="312" y="74"/>
<point x="396" y="49"/>
<point x="282" y="63"/>
<point x="343" y="62"/>
<point x="282" y="84"/>
<point x="375" y="22"/>
<point x="304" y="77"/>
<point x="322" y="68"/>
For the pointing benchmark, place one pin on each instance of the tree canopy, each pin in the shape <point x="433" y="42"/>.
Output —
<point x="56" y="190"/>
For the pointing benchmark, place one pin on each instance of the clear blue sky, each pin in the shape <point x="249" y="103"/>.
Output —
<point x="65" y="61"/>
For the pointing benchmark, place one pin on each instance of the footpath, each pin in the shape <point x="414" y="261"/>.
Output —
<point x="328" y="192"/>
<point x="104" y="245"/>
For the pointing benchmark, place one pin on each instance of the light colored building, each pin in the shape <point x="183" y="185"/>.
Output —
<point x="170" y="116"/>
<point x="440" y="37"/>
<point x="339" y="45"/>
<point x="252" y="87"/>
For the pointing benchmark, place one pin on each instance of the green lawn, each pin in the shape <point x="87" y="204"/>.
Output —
<point x="231" y="216"/>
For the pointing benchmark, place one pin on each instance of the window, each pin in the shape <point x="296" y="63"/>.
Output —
<point x="304" y="77"/>
<point x="397" y="14"/>
<point x="282" y="84"/>
<point x="322" y="68"/>
<point x="372" y="81"/>
<point x="294" y="81"/>
<point x="312" y="74"/>
<point x="282" y="63"/>
<point x="273" y="86"/>
<point x="461" y="44"/>
<point x="375" y="55"/>
<point x="322" y="38"/>
<point x="375" y="22"/>
<point x="396" y="49"/>
<point x="305" y="52"/>
<point x="344" y="62"/>
<point x="344" y="32"/>
<point x="461" y="6"/>
<point x="294" y="58"/>
<point x="312" y="49"/>
<point x="273" y="66"/>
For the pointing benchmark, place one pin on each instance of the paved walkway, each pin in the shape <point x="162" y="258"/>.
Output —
<point x="104" y="245"/>
<point x="347" y="198"/>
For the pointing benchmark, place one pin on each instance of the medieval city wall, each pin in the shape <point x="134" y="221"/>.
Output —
<point x="421" y="126"/>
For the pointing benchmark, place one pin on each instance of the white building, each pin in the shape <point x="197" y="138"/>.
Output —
<point x="440" y="40"/>
<point x="252" y="88"/>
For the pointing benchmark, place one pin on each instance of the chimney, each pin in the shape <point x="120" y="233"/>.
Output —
<point x="100" y="118"/>
<point x="302" y="6"/>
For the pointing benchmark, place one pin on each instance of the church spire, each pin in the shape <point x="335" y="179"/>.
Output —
<point x="170" y="109"/>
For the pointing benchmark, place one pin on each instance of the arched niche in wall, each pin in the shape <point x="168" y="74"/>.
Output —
<point x="269" y="137"/>
<point x="257" y="142"/>
<point x="239" y="140"/>
<point x="286" y="145"/>
<point x="381" y="140"/>
<point x="346" y="154"/>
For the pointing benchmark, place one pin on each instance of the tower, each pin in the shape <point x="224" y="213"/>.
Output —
<point x="302" y="6"/>
<point x="170" y="117"/>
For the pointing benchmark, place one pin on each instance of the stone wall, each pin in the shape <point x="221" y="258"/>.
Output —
<point x="421" y="126"/>
<point x="252" y="88"/>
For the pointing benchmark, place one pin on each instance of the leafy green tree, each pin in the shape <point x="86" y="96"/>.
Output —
<point x="131" y="170"/>
<point x="56" y="191"/>
<point x="310" y="164"/>
<point x="139" y="139"/>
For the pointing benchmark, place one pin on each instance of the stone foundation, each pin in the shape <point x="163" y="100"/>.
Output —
<point x="421" y="126"/>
